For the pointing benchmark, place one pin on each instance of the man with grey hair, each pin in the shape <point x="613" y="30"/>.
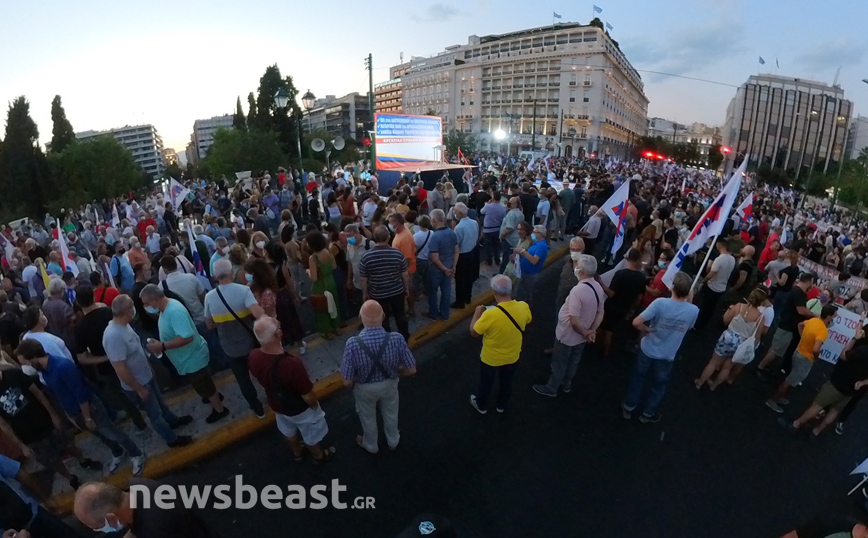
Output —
<point x="357" y="245"/>
<point x="577" y="324"/>
<point x="123" y="348"/>
<point x="532" y="261"/>
<point x="443" y="254"/>
<point x="372" y="363"/>
<point x="221" y="252"/>
<point x="200" y="234"/>
<point x="289" y="391"/>
<point x="590" y="232"/>
<point x="467" y="268"/>
<point x="502" y="330"/>
<point x="231" y="308"/>
<point x="669" y="320"/>
<point x="185" y="347"/>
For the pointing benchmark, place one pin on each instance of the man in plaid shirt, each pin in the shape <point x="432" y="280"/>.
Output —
<point x="373" y="361"/>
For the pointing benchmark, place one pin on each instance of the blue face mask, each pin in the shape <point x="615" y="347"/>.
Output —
<point x="533" y="238"/>
<point x="660" y="264"/>
<point x="152" y="310"/>
<point x="351" y="241"/>
<point x="249" y="277"/>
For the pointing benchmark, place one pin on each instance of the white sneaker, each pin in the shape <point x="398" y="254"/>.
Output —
<point x="138" y="464"/>
<point x="302" y="348"/>
<point x="114" y="464"/>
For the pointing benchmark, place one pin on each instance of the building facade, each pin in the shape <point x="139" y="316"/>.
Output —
<point x="345" y="116"/>
<point x="566" y="88"/>
<point x="787" y="123"/>
<point x="170" y="156"/>
<point x="706" y="138"/>
<point x="388" y="95"/>
<point x="143" y="141"/>
<point x="203" y="134"/>
<point x="858" y="137"/>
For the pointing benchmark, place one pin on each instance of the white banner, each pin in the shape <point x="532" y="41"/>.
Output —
<point x="842" y="330"/>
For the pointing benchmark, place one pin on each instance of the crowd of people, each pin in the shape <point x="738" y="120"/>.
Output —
<point x="110" y="306"/>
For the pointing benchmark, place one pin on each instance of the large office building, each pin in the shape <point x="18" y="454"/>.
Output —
<point x="565" y="88"/>
<point x="858" y="137"/>
<point x="143" y="141"/>
<point x="787" y="123"/>
<point x="345" y="116"/>
<point x="388" y="95"/>
<point x="705" y="137"/>
<point x="203" y="135"/>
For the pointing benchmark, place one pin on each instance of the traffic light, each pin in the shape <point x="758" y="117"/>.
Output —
<point x="725" y="150"/>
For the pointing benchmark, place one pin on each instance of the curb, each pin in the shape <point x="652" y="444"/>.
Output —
<point x="210" y="444"/>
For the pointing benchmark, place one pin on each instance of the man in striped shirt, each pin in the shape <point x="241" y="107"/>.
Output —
<point x="385" y="279"/>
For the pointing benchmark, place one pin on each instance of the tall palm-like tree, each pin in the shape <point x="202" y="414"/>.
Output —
<point x="863" y="156"/>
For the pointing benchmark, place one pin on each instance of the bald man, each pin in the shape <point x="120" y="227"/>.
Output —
<point x="372" y="363"/>
<point x="105" y="508"/>
<point x="743" y="278"/>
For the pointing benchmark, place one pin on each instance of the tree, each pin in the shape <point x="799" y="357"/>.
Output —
<point x="863" y="157"/>
<point x="235" y="151"/>
<point x="715" y="157"/>
<point x="190" y="171"/>
<point x="97" y="168"/>
<point x="238" y="120"/>
<point x="597" y="22"/>
<point x="23" y="170"/>
<point x="173" y="170"/>
<point x="271" y="118"/>
<point x="62" y="135"/>
<point x="251" y="110"/>
<point x="456" y="139"/>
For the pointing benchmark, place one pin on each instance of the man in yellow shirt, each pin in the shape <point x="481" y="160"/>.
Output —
<point x="813" y="333"/>
<point x="502" y="329"/>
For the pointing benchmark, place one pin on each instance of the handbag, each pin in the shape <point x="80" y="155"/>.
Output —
<point x="319" y="303"/>
<point x="746" y="351"/>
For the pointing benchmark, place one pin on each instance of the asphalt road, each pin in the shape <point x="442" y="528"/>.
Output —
<point x="717" y="465"/>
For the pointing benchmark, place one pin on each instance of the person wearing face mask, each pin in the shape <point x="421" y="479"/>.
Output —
<point x="136" y="254"/>
<point x="120" y="268"/>
<point x="578" y="320"/>
<point x="657" y="288"/>
<point x="221" y="252"/>
<point x="105" y="508"/>
<point x="532" y="262"/>
<point x="257" y="245"/>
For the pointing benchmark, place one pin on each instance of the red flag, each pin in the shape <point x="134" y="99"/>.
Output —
<point x="461" y="158"/>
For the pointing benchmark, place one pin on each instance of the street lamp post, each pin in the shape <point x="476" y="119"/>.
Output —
<point x="533" y="128"/>
<point x="282" y="99"/>
<point x="308" y="100"/>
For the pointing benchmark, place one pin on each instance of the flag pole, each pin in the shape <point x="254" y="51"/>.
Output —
<point x="704" y="262"/>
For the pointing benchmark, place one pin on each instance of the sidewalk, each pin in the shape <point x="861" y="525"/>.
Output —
<point x="323" y="359"/>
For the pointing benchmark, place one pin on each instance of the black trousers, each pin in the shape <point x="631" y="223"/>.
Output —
<point x="395" y="306"/>
<point x="708" y="306"/>
<point x="464" y="277"/>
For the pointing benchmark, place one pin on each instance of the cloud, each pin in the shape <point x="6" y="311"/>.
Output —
<point x="689" y="50"/>
<point x="437" y="12"/>
<point x="829" y="55"/>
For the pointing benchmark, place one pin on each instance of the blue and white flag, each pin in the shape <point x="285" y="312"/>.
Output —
<point x="761" y="61"/>
<point x="8" y="248"/>
<point x="555" y="15"/>
<point x="197" y="260"/>
<point x="597" y="9"/>
<point x="616" y="209"/>
<point x="710" y="225"/>
<point x="177" y="193"/>
<point x="609" y="26"/>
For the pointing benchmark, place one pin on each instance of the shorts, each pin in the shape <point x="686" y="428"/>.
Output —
<point x="829" y="397"/>
<point x="49" y="451"/>
<point x="801" y="368"/>
<point x="781" y="341"/>
<point x="310" y="423"/>
<point x="202" y="382"/>
<point x="728" y="343"/>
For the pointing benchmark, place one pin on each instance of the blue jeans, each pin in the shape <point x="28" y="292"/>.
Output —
<point x="657" y="373"/>
<point x="437" y="280"/>
<point x="159" y="415"/>
<point x="487" y="373"/>
<point x="107" y="432"/>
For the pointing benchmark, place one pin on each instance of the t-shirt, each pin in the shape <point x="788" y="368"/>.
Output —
<point x="89" y="331"/>
<point x="50" y="343"/>
<point x="848" y="372"/>
<point x="188" y="287"/>
<point x="28" y="419"/>
<point x="292" y="375"/>
<point x="585" y="301"/>
<point x="790" y="317"/>
<point x="670" y="320"/>
<point x="494" y="214"/>
<point x="792" y="272"/>
<point x="510" y="222"/>
<point x="155" y="522"/>
<point x="403" y="241"/>
<point x="722" y="267"/>
<point x="421" y="240"/>
<point x="10" y="329"/>
<point x="105" y="295"/>
<point x="443" y="243"/>
<point x="236" y="339"/>
<point x="383" y="266"/>
<point x="501" y="340"/>
<point x="815" y="330"/>
<point x="175" y="321"/>
<point x="122" y="344"/>
<point x="656" y="284"/>
<point x="541" y="249"/>
<point x="628" y="285"/>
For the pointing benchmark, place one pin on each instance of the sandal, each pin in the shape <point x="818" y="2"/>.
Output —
<point x="327" y="454"/>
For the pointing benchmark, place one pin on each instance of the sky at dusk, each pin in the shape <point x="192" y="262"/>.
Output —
<point x="170" y="63"/>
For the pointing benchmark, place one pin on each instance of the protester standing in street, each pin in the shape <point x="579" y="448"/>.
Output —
<point x="502" y="330"/>
<point x="467" y="234"/>
<point x="443" y="254"/>
<point x="372" y="363"/>
<point x="532" y="261"/>
<point x="386" y="280"/>
<point x="668" y="320"/>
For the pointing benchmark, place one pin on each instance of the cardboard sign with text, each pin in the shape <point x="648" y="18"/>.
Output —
<point x="841" y="331"/>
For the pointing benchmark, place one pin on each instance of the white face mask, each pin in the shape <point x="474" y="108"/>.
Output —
<point x="575" y="256"/>
<point x="260" y="244"/>
<point x="29" y="370"/>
